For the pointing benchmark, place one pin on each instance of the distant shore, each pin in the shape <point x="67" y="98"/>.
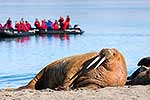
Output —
<point x="109" y="93"/>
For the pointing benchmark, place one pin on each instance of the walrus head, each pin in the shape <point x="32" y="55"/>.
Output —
<point x="107" y="68"/>
<point x="105" y="55"/>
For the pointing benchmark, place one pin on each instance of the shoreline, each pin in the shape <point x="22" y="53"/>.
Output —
<point x="138" y="92"/>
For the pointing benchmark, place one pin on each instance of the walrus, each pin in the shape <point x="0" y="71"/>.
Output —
<point x="141" y="76"/>
<point x="91" y="70"/>
<point x="144" y="62"/>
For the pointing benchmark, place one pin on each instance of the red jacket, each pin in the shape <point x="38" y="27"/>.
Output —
<point x="22" y="27"/>
<point x="9" y="26"/>
<point x="43" y="25"/>
<point x="61" y="20"/>
<point x="55" y="26"/>
<point x="37" y="24"/>
<point x="28" y="26"/>
<point x="1" y="27"/>
<point x="17" y="25"/>
<point x="67" y="23"/>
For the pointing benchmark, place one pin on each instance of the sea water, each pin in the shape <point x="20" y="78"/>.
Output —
<point x="124" y="25"/>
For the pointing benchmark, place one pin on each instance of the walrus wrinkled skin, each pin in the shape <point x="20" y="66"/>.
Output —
<point x="83" y="71"/>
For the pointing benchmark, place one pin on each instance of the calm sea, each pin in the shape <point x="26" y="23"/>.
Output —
<point x="124" y="25"/>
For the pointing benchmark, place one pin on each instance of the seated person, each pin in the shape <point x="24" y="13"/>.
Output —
<point x="61" y="23"/>
<point x="8" y="24"/>
<point x="43" y="25"/>
<point x="17" y="25"/>
<point x="49" y="25"/>
<point x="28" y="25"/>
<point x="55" y="25"/>
<point x="67" y="23"/>
<point x="1" y="27"/>
<point x="22" y="26"/>
<point x="37" y="23"/>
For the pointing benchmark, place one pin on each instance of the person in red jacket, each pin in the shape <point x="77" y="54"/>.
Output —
<point x="17" y="26"/>
<point x="55" y="25"/>
<point x="67" y="23"/>
<point x="44" y="25"/>
<point x="1" y="27"/>
<point x="61" y="22"/>
<point x="8" y="24"/>
<point x="22" y="26"/>
<point x="27" y="25"/>
<point x="37" y="23"/>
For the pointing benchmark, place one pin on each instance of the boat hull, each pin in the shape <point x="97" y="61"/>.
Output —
<point x="7" y="34"/>
<point x="14" y="33"/>
<point x="61" y="32"/>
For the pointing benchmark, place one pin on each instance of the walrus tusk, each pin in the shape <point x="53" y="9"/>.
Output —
<point x="93" y="62"/>
<point x="100" y="62"/>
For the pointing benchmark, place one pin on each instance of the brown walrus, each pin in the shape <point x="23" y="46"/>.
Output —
<point x="90" y="70"/>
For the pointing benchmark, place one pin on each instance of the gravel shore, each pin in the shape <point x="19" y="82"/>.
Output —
<point x="109" y="93"/>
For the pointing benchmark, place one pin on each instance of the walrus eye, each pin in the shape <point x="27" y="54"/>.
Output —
<point x="114" y="54"/>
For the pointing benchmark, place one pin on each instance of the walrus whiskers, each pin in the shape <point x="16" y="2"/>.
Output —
<point x="100" y="62"/>
<point x="93" y="62"/>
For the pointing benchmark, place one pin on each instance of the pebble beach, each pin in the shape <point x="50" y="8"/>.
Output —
<point x="109" y="93"/>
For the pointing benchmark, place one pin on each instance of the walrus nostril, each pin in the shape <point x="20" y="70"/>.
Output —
<point x="93" y="62"/>
<point x="100" y="62"/>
